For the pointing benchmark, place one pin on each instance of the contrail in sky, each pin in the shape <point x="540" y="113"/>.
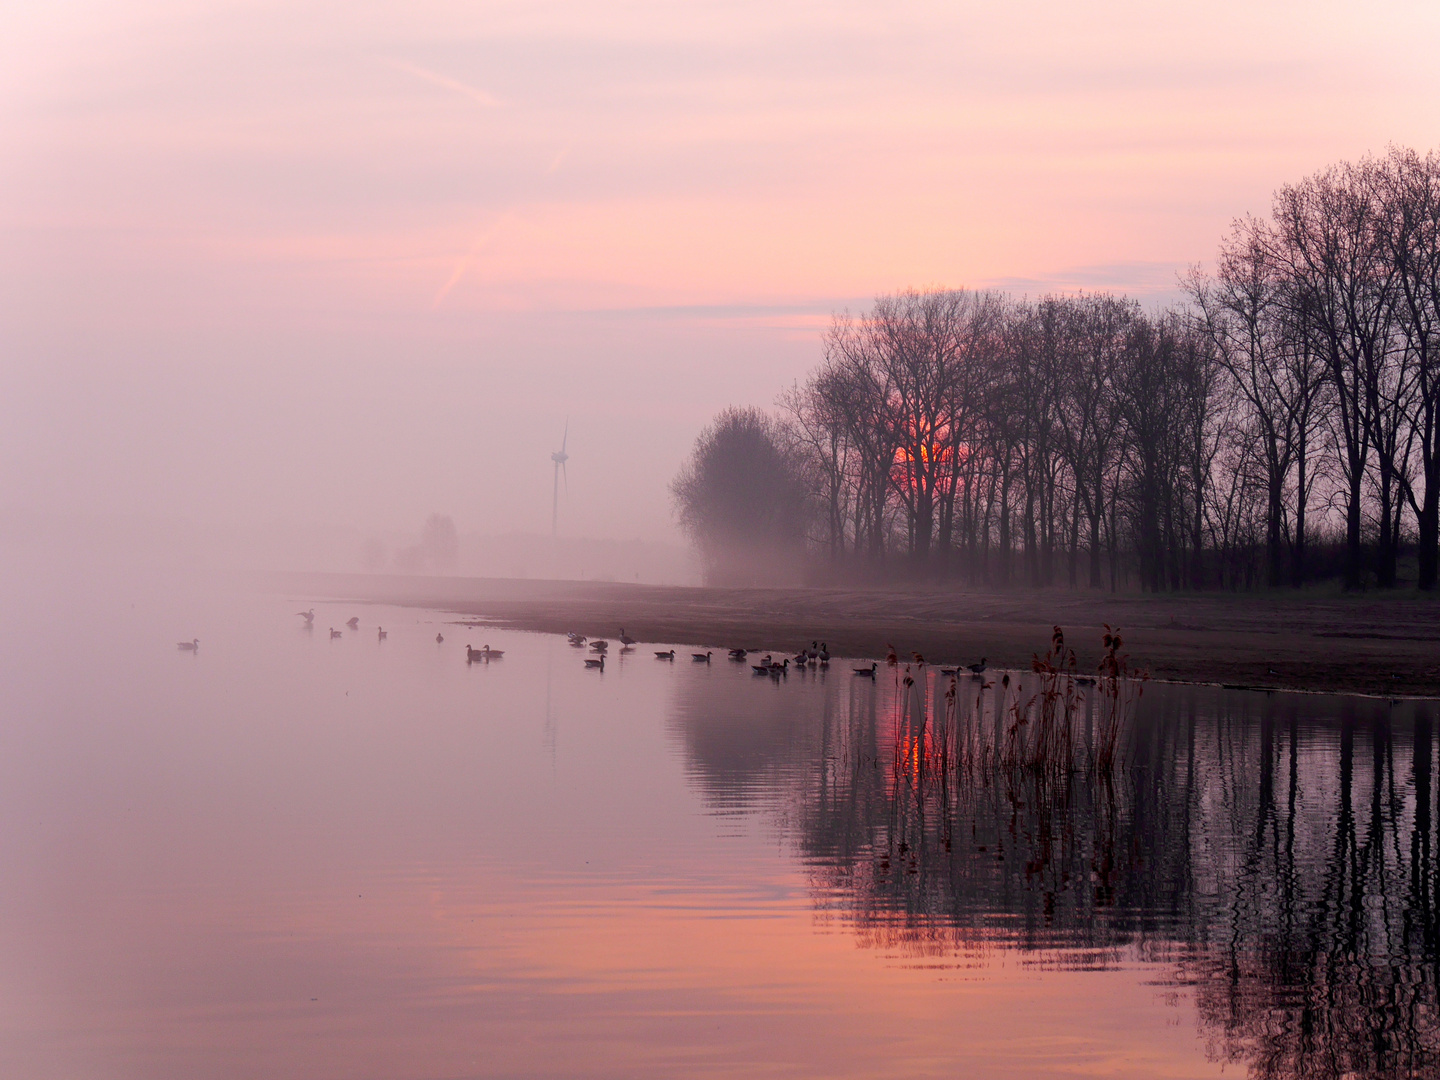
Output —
<point x="480" y="97"/>
<point x="465" y="260"/>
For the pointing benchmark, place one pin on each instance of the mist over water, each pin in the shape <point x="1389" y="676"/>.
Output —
<point x="293" y="855"/>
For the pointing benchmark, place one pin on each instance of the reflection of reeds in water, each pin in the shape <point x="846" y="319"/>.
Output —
<point x="1057" y="727"/>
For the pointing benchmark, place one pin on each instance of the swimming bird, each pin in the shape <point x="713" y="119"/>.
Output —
<point x="492" y="654"/>
<point x="665" y="655"/>
<point x="599" y="646"/>
<point x="760" y="669"/>
<point x="700" y="657"/>
<point x="354" y="623"/>
<point x="308" y="616"/>
<point x="866" y="672"/>
<point x="738" y="655"/>
<point x="577" y="640"/>
<point x="626" y="639"/>
<point x="335" y="633"/>
<point x="438" y="638"/>
<point x="189" y="646"/>
<point x="777" y="670"/>
<point x="977" y="669"/>
<point x="597" y="664"/>
<point x="472" y="655"/>
<point x="380" y="634"/>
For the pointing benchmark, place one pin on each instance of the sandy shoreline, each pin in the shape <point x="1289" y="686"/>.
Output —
<point x="1373" y="643"/>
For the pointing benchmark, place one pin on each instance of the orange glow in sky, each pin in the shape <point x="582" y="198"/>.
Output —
<point x="703" y="183"/>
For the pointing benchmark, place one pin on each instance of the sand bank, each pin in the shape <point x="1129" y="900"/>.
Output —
<point x="1374" y="643"/>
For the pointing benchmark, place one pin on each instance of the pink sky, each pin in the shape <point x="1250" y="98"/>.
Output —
<point x="359" y="262"/>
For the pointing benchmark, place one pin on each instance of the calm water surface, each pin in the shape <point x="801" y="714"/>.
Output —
<point x="289" y="856"/>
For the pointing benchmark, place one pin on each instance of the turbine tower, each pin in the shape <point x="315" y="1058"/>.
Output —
<point x="559" y="457"/>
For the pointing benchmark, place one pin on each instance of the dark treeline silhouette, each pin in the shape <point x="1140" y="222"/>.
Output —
<point x="1082" y="440"/>
<point x="1276" y="854"/>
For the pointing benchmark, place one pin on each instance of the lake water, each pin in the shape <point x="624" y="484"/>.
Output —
<point x="291" y="856"/>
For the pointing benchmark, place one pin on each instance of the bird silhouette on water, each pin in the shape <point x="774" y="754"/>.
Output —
<point x="439" y="638"/>
<point x="665" y="655"/>
<point x="334" y="633"/>
<point x="380" y="634"/>
<point x="189" y="646"/>
<point x="354" y="623"/>
<point x="308" y="616"/>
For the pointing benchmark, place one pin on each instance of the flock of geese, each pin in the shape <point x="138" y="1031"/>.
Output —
<point x="817" y="656"/>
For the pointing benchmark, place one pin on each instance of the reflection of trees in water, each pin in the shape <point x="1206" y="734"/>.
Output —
<point x="1277" y="849"/>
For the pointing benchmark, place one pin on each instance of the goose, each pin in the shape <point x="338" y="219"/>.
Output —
<point x="813" y="653"/>
<point x="665" y="655"/>
<point x="439" y="638"/>
<point x="576" y="640"/>
<point x="977" y="669"/>
<point x="866" y="672"/>
<point x="354" y="623"/>
<point x="380" y="634"/>
<point x="472" y="654"/>
<point x="189" y="646"/>
<point x="738" y="654"/>
<point x="492" y="654"/>
<point x="335" y="633"/>
<point x="760" y="669"/>
<point x="599" y="646"/>
<point x="824" y="654"/>
<point x="801" y="657"/>
<point x="597" y="663"/>
<point x="308" y="616"/>
<point x="777" y="670"/>
<point x="700" y="657"/>
<point x="626" y="639"/>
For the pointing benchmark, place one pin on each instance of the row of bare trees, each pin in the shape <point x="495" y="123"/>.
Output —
<point x="1084" y="440"/>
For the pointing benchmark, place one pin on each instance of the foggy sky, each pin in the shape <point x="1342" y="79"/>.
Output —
<point x="355" y="263"/>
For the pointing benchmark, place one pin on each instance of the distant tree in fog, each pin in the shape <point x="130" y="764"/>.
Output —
<point x="742" y="498"/>
<point x="439" y="543"/>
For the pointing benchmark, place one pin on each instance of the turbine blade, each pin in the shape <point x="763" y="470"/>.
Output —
<point x="566" y="437"/>
<point x="566" y="473"/>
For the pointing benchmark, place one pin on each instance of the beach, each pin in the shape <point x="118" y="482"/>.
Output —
<point x="1378" y="643"/>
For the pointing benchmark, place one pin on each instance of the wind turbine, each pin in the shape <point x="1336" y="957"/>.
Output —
<point x="559" y="457"/>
